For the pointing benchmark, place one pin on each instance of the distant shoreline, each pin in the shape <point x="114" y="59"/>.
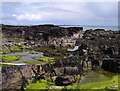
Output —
<point x="61" y="25"/>
<point x="85" y="27"/>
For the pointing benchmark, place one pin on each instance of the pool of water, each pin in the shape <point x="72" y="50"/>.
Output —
<point x="95" y="76"/>
<point x="27" y="56"/>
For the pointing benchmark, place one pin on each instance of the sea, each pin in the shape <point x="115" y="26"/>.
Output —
<point x="113" y="28"/>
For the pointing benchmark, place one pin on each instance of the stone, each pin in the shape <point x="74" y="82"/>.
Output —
<point x="64" y="80"/>
<point x="16" y="77"/>
<point x="56" y="87"/>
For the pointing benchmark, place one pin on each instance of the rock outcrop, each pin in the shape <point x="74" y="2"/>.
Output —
<point x="103" y="47"/>
<point x="42" y="35"/>
<point x="17" y="77"/>
<point x="97" y="48"/>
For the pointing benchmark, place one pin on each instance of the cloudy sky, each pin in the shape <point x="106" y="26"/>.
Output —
<point x="73" y="13"/>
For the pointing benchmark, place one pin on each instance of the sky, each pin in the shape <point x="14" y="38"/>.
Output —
<point x="69" y="13"/>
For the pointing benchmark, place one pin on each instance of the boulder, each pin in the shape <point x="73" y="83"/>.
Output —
<point x="16" y="77"/>
<point x="65" y="80"/>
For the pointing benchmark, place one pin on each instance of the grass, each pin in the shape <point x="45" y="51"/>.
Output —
<point x="9" y="58"/>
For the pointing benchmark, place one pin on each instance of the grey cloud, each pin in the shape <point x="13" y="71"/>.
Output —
<point x="64" y="13"/>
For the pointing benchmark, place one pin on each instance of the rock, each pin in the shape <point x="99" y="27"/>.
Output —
<point x="112" y="65"/>
<point x="65" y="80"/>
<point x="16" y="77"/>
<point x="56" y="87"/>
<point x="45" y="34"/>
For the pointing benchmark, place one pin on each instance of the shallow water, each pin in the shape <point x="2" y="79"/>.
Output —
<point x="95" y="76"/>
<point x="75" y="48"/>
<point x="27" y="56"/>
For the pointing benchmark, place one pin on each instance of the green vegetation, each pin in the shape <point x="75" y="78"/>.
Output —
<point x="101" y="83"/>
<point x="15" y="49"/>
<point x="3" y="65"/>
<point x="32" y="62"/>
<point x="44" y="59"/>
<point x="57" y="53"/>
<point x="9" y="58"/>
<point x="41" y="84"/>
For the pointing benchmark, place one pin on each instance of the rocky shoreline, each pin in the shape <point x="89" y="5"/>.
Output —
<point x="44" y="35"/>
<point x="97" y="49"/>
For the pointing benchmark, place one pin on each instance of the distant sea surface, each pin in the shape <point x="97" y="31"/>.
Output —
<point x="114" y="28"/>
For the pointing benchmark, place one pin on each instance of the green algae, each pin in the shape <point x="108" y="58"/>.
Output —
<point x="102" y="84"/>
<point x="9" y="58"/>
<point x="57" y="53"/>
<point x="41" y="84"/>
<point x="33" y="62"/>
<point x="44" y="59"/>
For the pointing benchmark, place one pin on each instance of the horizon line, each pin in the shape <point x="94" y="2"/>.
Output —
<point x="64" y="25"/>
